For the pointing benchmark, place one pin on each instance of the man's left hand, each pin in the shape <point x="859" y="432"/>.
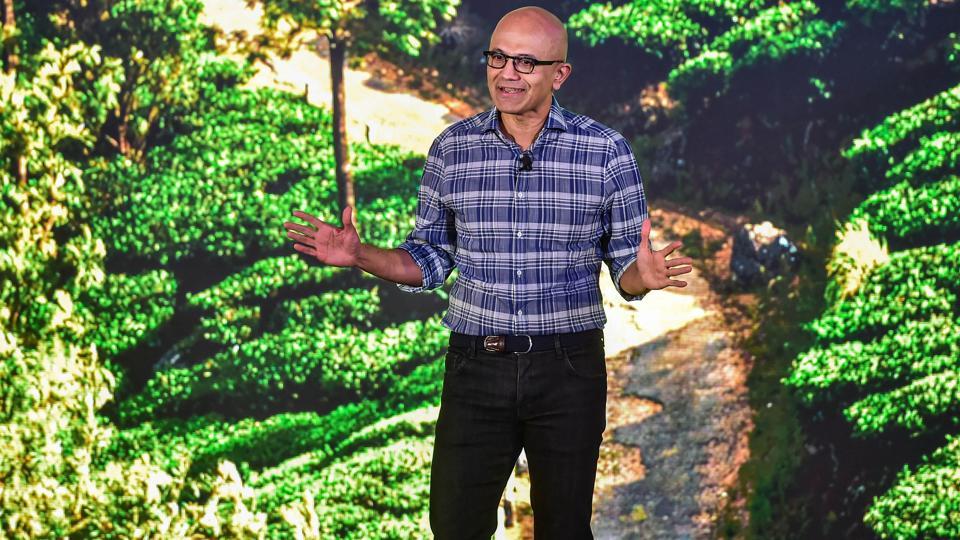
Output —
<point x="652" y="270"/>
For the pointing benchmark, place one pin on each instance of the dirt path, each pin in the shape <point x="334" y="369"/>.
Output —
<point x="677" y="418"/>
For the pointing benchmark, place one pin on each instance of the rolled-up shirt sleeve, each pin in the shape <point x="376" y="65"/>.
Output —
<point x="432" y="243"/>
<point x="625" y="208"/>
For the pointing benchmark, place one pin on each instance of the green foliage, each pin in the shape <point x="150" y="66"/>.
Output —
<point x="379" y="488"/>
<point x="771" y="38"/>
<point x="953" y="51"/>
<point x="384" y="26"/>
<point x="674" y="28"/>
<point x="707" y="74"/>
<point x="203" y="170"/>
<point x="251" y="158"/>
<point x="50" y="379"/>
<point x="254" y="444"/>
<point x="261" y="280"/>
<point x="916" y="283"/>
<point x="881" y="143"/>
<point x="37" y="207"/>
<point x="872" y="10"/>
<point x="913" y="406"/>
<point x="129" y="310"/>
<point x="887" y="347"/>
<point x="913" y="349"/>
<point x="924" y="502"/>
<point x="162" y="46"/>
<point x="907" y="215"/>
<point x="766" y="23"/>
<point x="936" y="156"/>
<point x="328" y="364"/>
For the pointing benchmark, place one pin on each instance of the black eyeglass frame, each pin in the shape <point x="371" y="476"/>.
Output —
<point x="515" y="59"/>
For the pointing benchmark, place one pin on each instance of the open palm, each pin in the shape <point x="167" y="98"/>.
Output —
<point x="654" y="268"/>
<point x="335" y="246"/>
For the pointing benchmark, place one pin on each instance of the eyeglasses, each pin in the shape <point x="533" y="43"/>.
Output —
<point x="523" y="64"/>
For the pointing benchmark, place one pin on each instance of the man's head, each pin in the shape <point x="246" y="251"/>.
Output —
<point x="530" y="32"/>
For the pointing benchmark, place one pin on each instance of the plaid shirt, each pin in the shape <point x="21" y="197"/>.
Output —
<point x="527" y="243"/>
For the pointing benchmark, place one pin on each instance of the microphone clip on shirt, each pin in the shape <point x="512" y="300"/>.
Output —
<point x="526" y="162"/>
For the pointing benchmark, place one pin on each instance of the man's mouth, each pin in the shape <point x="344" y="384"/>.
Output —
<point x="510" y="90"/>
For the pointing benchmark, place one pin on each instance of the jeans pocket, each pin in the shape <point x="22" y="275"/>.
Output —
<point x="588" y="361"/>
<point x="454" y="361"/>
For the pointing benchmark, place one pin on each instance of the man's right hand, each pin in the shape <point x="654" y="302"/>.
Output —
<point x="335" y="246"/>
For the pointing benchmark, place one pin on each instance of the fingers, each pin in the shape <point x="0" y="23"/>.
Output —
<point x="290" y="226"/>
<point x="676" y="283"/>
<point x="678" y="271"/>
<point x="645" y="232"/>
<point x="672" y="247"/>
<point x="310" y="219"/>
<point x="306" y="250"/>
<point x="677" y="261"/>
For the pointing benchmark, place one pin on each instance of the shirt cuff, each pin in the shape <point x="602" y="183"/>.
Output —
<point x="619" y="275"/>
<point x="420" y="256"/>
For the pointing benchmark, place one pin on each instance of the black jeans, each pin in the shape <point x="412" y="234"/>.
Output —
<point x="553" y="404"/>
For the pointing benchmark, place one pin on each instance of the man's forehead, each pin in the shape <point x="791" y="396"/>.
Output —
<point x="528" y="32"/>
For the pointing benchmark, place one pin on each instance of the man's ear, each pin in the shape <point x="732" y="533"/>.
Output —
<point x="560" y="76"/>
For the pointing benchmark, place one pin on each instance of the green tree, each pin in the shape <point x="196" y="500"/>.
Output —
<point x="354" y="27"/>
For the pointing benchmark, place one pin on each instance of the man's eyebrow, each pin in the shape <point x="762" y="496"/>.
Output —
<point x="498" y="49"/>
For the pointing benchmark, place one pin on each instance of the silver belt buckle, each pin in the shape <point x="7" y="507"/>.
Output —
<point x="529" y="343"/>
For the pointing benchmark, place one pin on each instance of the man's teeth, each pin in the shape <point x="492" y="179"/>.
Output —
<point x="512" y="90"/>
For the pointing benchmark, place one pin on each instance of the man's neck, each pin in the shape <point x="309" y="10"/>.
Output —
<point x="523" y="129"/>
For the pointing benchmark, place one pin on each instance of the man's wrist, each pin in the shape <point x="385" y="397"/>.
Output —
<point x="363" y="257"/>
<point x="631" y="282"/>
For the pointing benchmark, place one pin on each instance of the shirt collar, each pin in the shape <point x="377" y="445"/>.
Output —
<point x="491" y="121"/>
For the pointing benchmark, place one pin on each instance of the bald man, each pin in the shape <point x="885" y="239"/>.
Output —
<point x="526" y="200"/>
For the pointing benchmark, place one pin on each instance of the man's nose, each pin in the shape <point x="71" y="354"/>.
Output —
<point x="510" y="72"/>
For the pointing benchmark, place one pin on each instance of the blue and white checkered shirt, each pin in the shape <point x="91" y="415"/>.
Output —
<point x="527" y="243"/>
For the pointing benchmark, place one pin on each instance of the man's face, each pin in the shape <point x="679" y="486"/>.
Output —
<point x="518" y="93"/>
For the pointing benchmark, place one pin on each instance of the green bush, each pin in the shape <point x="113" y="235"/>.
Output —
<point x="915" y="283"/>
<point x="672" y="28"/>
<point x="129" y="310"/>
<point x="886" y="142"/>
<point x="772" y="37"/>
<point x="925" y="501"/>
<point x="326" y="364"/>
<point x="912" y="406"/>
<point x="377" y="488"/>
<point x="936" y="156"/>
<point x="913" y="349"/>
<point x="904" y="215"/>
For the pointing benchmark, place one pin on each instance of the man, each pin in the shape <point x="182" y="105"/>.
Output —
<point x="525" y="200"/>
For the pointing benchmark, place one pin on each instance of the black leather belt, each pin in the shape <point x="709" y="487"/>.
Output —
<point x="523" y="343"/>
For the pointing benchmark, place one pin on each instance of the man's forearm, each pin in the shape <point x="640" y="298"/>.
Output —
<point x="394" y="265"/>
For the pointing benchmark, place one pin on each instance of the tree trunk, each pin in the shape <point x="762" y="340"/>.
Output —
<point x="10" y="58"/>
<point x="11" y="62"/>
<point x="341" y="154"/>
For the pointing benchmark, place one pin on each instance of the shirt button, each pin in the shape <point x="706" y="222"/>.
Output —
<point x="519" y="312"/>
<point x="519" y="272"/>
<point x="519" y="195"/>
<point x="519" y="234"/>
